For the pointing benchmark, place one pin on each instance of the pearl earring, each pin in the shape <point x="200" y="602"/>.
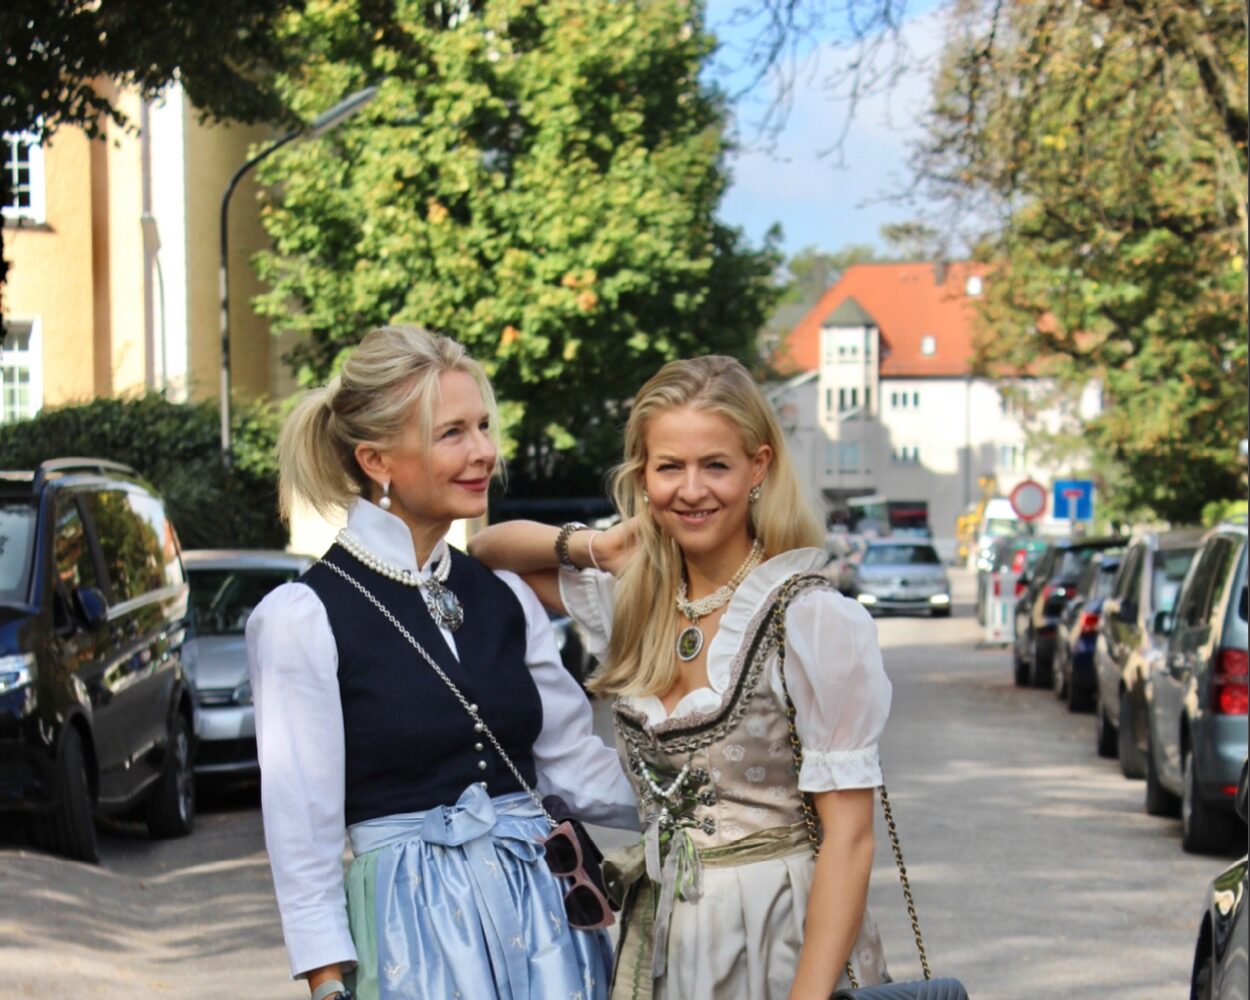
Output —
<point x="385" y="502"/>
<point x="645" y="499"/>
<point x="754" y="494"/>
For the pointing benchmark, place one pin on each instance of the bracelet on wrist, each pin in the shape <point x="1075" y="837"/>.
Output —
<point x="562" y="542"/>
<point x="590" y="550"/>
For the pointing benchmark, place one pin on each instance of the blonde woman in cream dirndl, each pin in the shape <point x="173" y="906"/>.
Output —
<point x="706" y="609"/>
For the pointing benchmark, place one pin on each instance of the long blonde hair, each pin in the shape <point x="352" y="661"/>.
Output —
<point x="640" y="659"/>
<point x="392" y="370"/>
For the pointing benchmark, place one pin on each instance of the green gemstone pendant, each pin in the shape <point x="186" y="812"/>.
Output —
<point x="689" y="642"/>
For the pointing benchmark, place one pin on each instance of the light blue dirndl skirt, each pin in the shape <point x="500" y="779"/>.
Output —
<point x="457" y="901"/>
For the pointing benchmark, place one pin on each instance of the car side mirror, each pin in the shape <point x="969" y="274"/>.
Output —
<point x="1240" y="802"/>
<point x="1164" y="622"/>
<point x="91" y="606"/>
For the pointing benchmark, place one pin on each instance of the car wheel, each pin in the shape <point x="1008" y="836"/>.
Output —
<point x="1021" y="668"/>
<point x="1131" y="763"/>
<point x="1203" y="985"/>
<point x="69" y="829"/>
<point x="1043" y="666"/>
<point x="1058" y="674"/>
<point x="1203" y="830"/>
<point x="1106" y="741"/>
<point x="1159" y="801"/>
<point x="170" y="812"/>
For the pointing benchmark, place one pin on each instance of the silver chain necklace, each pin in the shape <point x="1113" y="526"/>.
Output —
<point x="690" y="639"/>
<point x="445" y="606"/>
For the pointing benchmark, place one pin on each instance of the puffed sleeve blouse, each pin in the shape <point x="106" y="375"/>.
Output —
<point x="293" y="663"/>
<point x="834" y="669"/>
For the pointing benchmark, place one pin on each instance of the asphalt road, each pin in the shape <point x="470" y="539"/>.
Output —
<point x="1035" y="870"/>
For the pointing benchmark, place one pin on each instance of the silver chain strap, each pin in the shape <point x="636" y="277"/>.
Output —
<point x="478" y="724"/>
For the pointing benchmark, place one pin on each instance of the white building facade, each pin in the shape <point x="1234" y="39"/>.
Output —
<point x="898" y="413"/>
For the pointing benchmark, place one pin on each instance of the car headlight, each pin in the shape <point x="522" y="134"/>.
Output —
<point x="16" y="671"/>
<point x="865" y="598"/>
<point x="940" y="599"/>
<point x="242" y="695"/>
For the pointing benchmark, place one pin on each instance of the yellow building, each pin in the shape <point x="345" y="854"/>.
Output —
<point x="113" y="252"/>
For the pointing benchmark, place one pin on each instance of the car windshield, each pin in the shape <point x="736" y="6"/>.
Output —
<point x="17" y="535"/>
<point x="1001" y="527"/>
<point x="1072" y="561"/>
<point x="901" y="555"/>
<point x="1169" y="572"/>
<point x="1104" y="581"/>
<point x="221" y="599"/>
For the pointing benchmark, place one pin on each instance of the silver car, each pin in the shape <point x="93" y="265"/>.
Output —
<point x="902" y="574"/>
<point x="226" y="584"/>
<point x="1199" y="697"/>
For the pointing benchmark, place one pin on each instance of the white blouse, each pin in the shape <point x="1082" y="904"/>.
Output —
<point x="293" y="663"/>
<point x="833" y="666"/>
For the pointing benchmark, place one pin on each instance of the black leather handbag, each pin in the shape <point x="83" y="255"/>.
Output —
<point x="917" y="989"/>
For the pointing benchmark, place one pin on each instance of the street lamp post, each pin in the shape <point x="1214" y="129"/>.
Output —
<point x="323" y="123"/>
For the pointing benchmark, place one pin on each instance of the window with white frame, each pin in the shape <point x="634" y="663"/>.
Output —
<point x="23" y="171"/>
<point x="848" y="399"/>
<point x="905" y="400"/>
<point x="928" y="345"/>
<point x="21" y="390"/>
<point x="848" y="456"/>
<point x="905" y="454"/>
<point x="1012" y="457"/>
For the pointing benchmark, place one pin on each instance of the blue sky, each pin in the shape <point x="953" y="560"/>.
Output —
<point x="817" y="201"/>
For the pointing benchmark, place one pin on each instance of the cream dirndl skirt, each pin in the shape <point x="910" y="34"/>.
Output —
<point x="457" y="901"/>
<point x="739" y="941"/>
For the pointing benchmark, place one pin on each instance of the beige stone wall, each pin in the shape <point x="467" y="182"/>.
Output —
<point x="51" y="272"/>
<point x="214" y="153"/>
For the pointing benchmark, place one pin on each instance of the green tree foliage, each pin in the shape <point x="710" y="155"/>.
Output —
<point x="58" y="56"/>
<point x="1110" y="136"/>
<point x="175" y="447"/>
<point x="551" y="206"/>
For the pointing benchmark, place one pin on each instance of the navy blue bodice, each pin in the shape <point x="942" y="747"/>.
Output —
<point x="410" y="745"/>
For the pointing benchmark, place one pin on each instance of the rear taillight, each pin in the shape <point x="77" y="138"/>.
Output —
<point x="1089" y="621"/>
<point x="1020" y="585"/>
<point x="1054" y="590"/>
<point x="998" y="586"/>
<point x="1017" y="561"/>
<point x="1229" y="692"/>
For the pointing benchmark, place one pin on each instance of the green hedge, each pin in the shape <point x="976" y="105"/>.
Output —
<point x="177" y="448"/>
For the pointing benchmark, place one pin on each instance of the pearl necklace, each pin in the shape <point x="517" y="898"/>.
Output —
<point x="444" y="606"/>
<point x="690" y="639"/>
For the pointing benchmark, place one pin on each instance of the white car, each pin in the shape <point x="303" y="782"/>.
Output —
<point x="226" y="584"/>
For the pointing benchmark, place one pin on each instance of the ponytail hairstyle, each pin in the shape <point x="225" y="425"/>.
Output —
<point x="640" y="660"/>
<point x="390" y="375"/>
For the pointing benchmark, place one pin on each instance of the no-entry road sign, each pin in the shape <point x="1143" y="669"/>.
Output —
<point x="1028" y="500"/>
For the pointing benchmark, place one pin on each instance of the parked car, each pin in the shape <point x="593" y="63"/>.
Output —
<point x="998" y="520"/>
<point x="226" y="584"/>
<point x="1221" y="964"/>
<point x="96" y="711"/>
<point x="1015" y="554"/>
<point x="573" y="653"/>
<point x="845" y="551"/>
<point x="1199" y="697"/>
<point x="1047" y="589"/>
<point x="1154" y="566"/>
<point x="902" y="574"/>
<point x="1078" y="629"/>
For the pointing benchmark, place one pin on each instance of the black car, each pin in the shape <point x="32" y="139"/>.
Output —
<point x="1222" y="955"/>
<point x="1047" y="589"/>
<point x="1078" y="631"/>
<point x="96" y="713"/>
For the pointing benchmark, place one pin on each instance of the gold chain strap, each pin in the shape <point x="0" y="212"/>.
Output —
<point x="812" y="820"/>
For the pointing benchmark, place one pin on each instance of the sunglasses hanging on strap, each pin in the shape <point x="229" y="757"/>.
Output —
<point x="918" y="989"/>
<point x="569" y="850"/>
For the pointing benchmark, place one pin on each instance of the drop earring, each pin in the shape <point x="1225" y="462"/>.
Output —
<point x="385" y="502"/>
<point x="646" y="500"/>
<point x="754" y="494"/>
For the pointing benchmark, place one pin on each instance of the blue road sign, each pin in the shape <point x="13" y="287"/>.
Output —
<point x="1074" y="500"/>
